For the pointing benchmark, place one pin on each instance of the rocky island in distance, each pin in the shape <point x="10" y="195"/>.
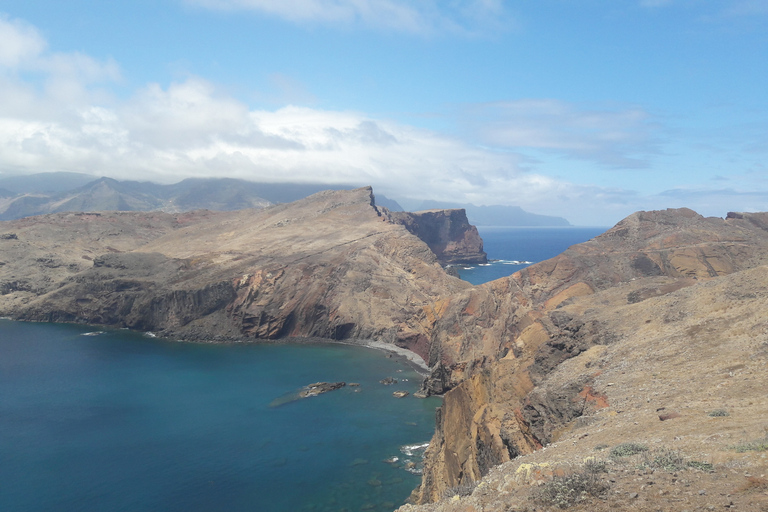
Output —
<point x="650" y="336"/>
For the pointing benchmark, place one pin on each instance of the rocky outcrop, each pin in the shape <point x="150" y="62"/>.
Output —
<point x="447" y="232"/>
<point x="318" y="388"/>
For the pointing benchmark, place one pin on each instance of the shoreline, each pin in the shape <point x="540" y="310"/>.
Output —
<point x="409" y="357"/>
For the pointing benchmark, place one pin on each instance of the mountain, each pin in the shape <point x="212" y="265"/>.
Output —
<point x="497" y="215"/>
<point x="107" y="194"/>
<point x="45" y="182"/>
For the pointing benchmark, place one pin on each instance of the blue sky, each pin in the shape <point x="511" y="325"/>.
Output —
<point x="588" y="109"/>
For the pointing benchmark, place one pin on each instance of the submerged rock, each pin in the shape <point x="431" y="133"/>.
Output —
<point x="318" y="388"/>
<point x="400" y="394"/>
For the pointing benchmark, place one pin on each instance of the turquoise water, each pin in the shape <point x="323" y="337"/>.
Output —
<point x="122" y="422"/>
<point x="516" y="248"/>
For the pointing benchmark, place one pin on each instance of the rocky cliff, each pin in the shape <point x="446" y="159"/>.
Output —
<point x="503" y="346"/>
<point x="447" y="233"/>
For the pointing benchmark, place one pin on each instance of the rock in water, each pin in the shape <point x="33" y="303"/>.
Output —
<point x="318" y="388"/>
<point x="400" y="394"/>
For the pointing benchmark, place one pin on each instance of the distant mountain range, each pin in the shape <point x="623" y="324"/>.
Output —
<point x="37" y="194"/>
<point x="498" y="215"/>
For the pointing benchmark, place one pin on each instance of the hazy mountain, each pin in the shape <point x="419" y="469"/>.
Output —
<point x="36" y="194"/>
<point x="498" y="215"/>
<point x="389" y="204"/>
<point x="45" y="182"/>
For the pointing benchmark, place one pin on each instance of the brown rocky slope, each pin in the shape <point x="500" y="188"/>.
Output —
<point x="516" y="383"/>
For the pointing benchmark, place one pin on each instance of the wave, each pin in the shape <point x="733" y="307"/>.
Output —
<point x="92" y="333"/>
<point x="410" y="449"/>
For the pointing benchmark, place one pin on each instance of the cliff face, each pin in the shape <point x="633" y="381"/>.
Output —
<point x="681" y="373"/>
<point x="447" y="233"/>
<point x="500" y="343"/>
<point x="332" y="265"/>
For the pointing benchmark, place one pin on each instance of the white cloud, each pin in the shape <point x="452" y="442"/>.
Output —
<point x="56" y="113"/>
<point x="612" y="137"/>
<point x="424" y="16"/>
<point x="18" y="42"/>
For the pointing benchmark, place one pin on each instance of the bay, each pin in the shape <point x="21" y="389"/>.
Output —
<point x="122" y="422"/>
<point x="510" y="249"/>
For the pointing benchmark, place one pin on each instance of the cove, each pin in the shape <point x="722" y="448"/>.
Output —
<point x="121" y="421"/>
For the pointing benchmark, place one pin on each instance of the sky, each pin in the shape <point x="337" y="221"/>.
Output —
<point x="588" y="109"/>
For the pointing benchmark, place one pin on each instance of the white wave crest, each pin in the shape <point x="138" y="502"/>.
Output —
<point x="411" y="449"/>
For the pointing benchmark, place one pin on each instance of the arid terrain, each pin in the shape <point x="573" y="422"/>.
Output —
<point x="627" y="373"/>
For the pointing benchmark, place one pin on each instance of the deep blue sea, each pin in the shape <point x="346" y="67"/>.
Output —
<point x="516" y="248"/>
<point x="123" y="422"/>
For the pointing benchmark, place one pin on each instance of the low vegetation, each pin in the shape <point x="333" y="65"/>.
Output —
<point x="759" y="445"/>
<point x="463" y="489"/>
<point x="570" y="489"/>
<point x="627" y="449"/>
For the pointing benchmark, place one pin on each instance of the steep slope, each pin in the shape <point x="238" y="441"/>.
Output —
<point x="498" y="343"/>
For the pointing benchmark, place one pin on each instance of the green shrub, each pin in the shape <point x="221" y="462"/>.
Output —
<point x="627" y="449"/>
<point x="703" y="466"/>
<point x="759" y="445"/>
<point x="718" y="413"/>
<point x="664" y="458"/>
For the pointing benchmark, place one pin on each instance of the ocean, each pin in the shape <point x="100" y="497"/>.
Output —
<point x="118" y="421"/>
<point x="510" y="249"/>
<point x="121" y="421"/>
